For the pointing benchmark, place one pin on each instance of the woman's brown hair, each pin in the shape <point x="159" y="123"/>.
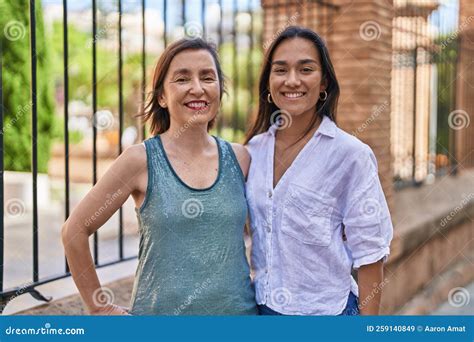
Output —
<point x="153" y="112"/>
<point x="328" y="107"/>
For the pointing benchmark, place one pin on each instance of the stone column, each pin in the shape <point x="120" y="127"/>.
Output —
<point x="463" y="118"/>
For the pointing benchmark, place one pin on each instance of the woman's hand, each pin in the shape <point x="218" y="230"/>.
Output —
<point x="110" y="310"/>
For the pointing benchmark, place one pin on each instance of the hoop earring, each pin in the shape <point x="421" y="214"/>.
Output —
<point x="325" y="94"/>
<point x="269" y="98"/>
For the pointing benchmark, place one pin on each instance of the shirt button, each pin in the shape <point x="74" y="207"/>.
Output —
<point x="269" y="229"/>
<point x="266" y="271"/>
<point x="270" y="194"/>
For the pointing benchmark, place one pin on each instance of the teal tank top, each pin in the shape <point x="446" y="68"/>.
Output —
<point x="191" y="258"/>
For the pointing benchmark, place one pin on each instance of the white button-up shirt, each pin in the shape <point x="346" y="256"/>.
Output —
<point x="326" y="215"/>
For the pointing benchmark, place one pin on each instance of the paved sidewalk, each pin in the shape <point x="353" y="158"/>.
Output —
<point x="72" y="305"/>
<point x="462" y="303"/>
<point x="121" y="289"/>
<point x="412" y="208"/>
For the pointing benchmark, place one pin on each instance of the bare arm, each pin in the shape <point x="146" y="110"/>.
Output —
<point x="243" y="157"/>
<point x="123" y="178"/>
<point x="370" y="288"/>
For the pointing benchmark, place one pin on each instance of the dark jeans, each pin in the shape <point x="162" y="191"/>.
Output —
<point x="352" y="308"/>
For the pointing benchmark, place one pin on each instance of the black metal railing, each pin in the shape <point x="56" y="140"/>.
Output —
<point x="424" y="65"/>
<point x="240" y="47"/>
<point x="227" y="37"/>
<point x="2" y="191"/>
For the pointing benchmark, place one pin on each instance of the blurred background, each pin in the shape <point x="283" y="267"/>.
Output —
<point x="74" y="75"/>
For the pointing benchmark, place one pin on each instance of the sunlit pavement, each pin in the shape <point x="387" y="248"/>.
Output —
<point x="460" y="305"/>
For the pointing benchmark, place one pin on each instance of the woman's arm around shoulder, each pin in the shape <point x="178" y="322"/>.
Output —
<point x="243" y="157"/>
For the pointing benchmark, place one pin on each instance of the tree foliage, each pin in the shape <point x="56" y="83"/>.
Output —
<point x="15" y="45"/>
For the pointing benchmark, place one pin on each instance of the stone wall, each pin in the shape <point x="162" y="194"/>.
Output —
<point x="464" y="137"/>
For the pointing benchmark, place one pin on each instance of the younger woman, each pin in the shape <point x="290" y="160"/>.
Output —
<point x="317" y="209"/>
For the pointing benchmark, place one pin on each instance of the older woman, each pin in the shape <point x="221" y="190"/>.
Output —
<point x="189" y="190"/>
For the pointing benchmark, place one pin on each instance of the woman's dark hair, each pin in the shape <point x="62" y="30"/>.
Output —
<point x="323" y="108"/>
<point x="159" y="116"/>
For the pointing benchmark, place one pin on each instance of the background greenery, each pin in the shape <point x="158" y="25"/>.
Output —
<point x="236" y="109"/>
<point x="50" y="71"/>
<point x="16" y="88"/>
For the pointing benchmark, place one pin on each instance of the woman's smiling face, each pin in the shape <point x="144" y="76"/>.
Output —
<point x="191" y="88"/>
<point x="296" y="76"/>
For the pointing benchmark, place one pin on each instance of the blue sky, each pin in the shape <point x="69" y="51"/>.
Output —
<point x="193" y="7"/>
<point x="446" y="17"/>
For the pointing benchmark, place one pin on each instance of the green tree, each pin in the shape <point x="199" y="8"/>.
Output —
<point x="80" y="69"/>
<point x="14" y="28"/>
<point x="248" y="64"/>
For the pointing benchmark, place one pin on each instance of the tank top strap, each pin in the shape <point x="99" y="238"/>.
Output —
<point x="158" y="169"/>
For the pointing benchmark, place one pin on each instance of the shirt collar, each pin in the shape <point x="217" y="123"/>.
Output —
<point x="327" y="127"/>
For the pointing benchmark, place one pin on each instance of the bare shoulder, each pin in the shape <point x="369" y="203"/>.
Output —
<point x="131" y="167"/>
<point x="243" y="156"/>
<point x="135" y="153"/>
<point x="133" y="158"/>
